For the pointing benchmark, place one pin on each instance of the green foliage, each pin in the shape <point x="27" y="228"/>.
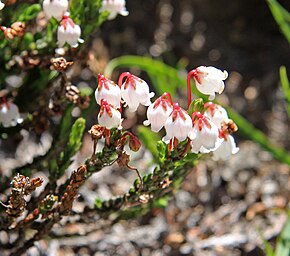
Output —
<point x="29" y="13"/>
<point x="285" y="87"/>
<point x="282" y="17"/>
<point x="282" y="243"/>
<point x="73" y="146"/>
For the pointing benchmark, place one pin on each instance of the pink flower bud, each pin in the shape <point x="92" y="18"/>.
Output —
<point x="109" y="117"/>
<point x="68" y="32"/>
<point x="209" y="80"/>
<point x="204" y="134"/>
<point x="158" y="112"/>
<point x="108" y="90"/>
<point x="135" y="91"/>
<point x="55" y="8"/>
<point x="177" y="125"/>
<point x="115" y="7"/>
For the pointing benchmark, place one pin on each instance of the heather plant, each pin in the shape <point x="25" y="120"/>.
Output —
<point x="40" y="45"/>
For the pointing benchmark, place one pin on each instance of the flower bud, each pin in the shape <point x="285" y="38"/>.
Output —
<point x="68" y="32"/>
<point x="216" y="113"/>
<point x="177" y="125"/>
<point x="135" y="91"/>
<point x="226" y="149"/>
<point x="55" y="8"/>
<point x="204" y="135"/>
<point x="19" y="27"/>
<point x="108" y="90"/>
<point x="134" y="143"/>
<point x="115" y="7"/>
<point x="1" y="5"/>
<point x="158" y="112"/>
<point x="209" y="80"/>
<point x="109" y="117"/>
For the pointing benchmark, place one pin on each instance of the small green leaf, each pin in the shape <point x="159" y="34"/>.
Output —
<point x="285" y="87"/>
<point x="196" y="106"/>
<point x="283" y="241"/>
<point x="30" y="12"/>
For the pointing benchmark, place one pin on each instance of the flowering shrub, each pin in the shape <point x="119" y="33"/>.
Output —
<point x="42" y="45"/>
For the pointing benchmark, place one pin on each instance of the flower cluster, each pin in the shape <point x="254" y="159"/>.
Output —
<point x="110" y="96"/>
<point x="207" y="129"/>
<point x="68" y="31"/>
<point x="115" y="7"/>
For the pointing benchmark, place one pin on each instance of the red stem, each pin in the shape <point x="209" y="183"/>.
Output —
<point x="167" y="94"/>
<point x="189" y="99"/>
<point x="122" y="76"/>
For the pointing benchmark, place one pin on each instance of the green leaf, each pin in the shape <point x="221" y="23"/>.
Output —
<point x="285" y="87"/>
<point x="161" y="202"/>
<point x="149" y="139"/>
<point x="282" y="17"/>
<point x="161" y="148"/>
<point x="30" y="12"/>
<point x="283" y="242"/>
<point x="196" y="106"/>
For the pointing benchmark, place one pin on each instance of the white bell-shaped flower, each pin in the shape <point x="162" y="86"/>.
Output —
<point x="135" y="91"/>
<point x="205" y="135"/>
<point x="68" y="32"/>
<point x="55" y="8"/>
<point x="177" y="125"/>
<point x="226" y="149"/>
<point x="158" y="112"/>
<point x="209" y="80"/>
<point x="115" y="7"/>
<point x="109" y="91"/>
<point x="2" y="5"/>
<point x="109" y="117"/>
<point x="216" y="113"/>
<point x="9" y="114"/>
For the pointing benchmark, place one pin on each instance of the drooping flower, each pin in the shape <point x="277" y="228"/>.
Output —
<point x="135" y="91"/>
<point x="2" y="5"/>
<point x="226" y="149"/>
<point x="177" y="125"/>
<point x="68" y="32"/>
<point x="158" y="112"/>
<point x="9" y="114"/>
<point x="216" y="113"/>
<point x="55" y="8"/>
<point x="209" y="80"/>
<point x="108" y="116"/>
<point x="108" y="90"/>
<point x="205" y="136"/>
<point x="115" y="7"/>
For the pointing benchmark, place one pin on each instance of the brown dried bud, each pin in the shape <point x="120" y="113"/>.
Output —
<point x="60" y="64"/>
<point x="134" y="143"/>
<point x="72" y="93"/>
<point x="228" y="126"/>
<point x="19" y="182"/>
<point x="165" y="183"/>
<point x="55" y="107"/>
<point x="33" y="184"/>
<point x="96" y="132"/>
<point x="123" y="159"/>
<point x="19" y="27"/>
<point x="83" y="102"/>
<point x="9" y="32"/>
